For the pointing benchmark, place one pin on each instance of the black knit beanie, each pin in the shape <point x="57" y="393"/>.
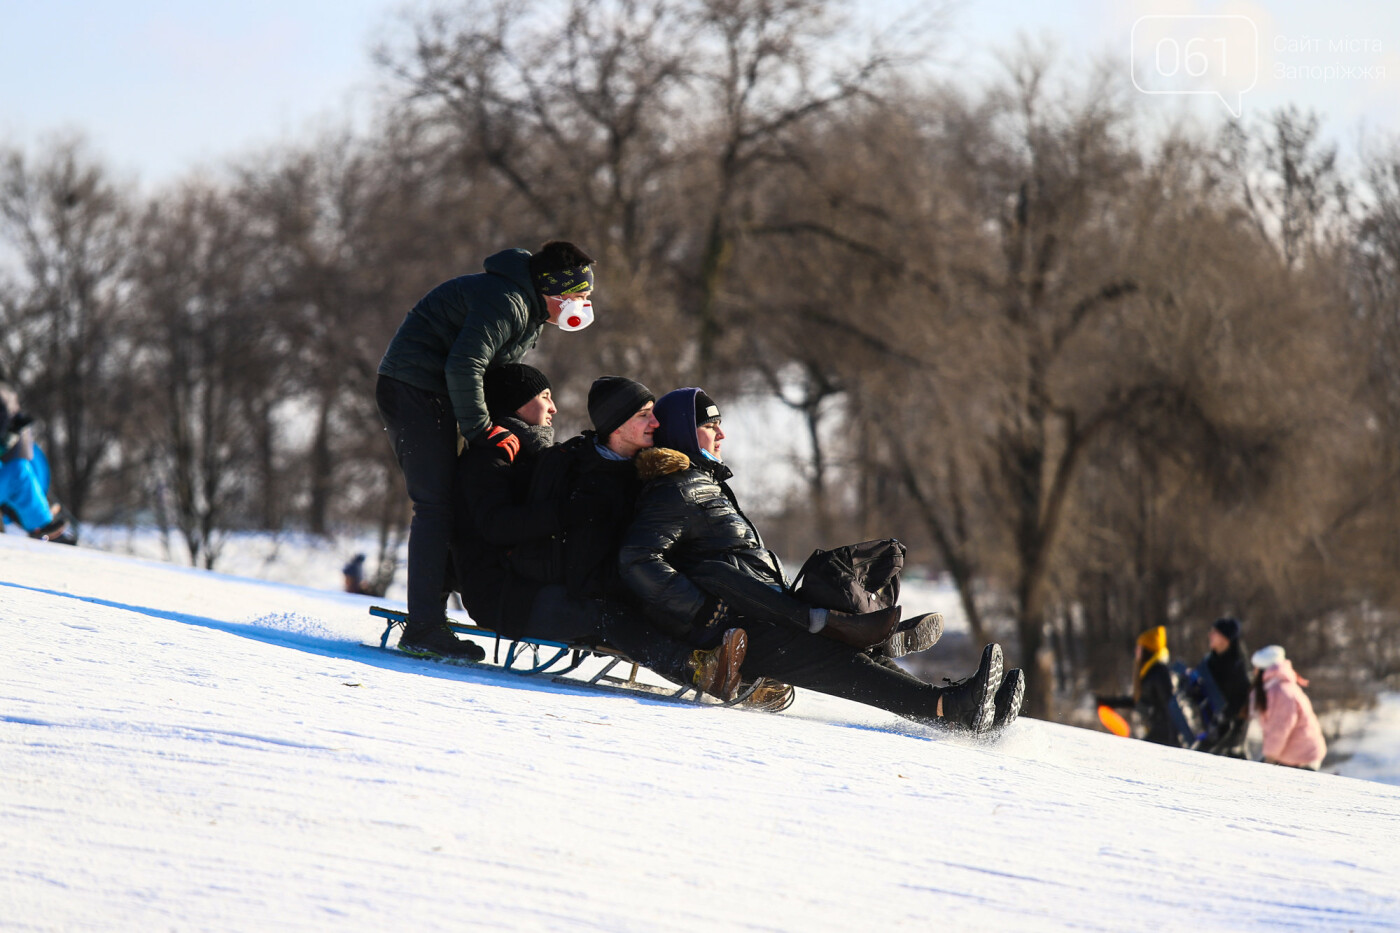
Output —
<point x="510" y="386"/>
<point x="1228" y="627"/>
<point x="612" y="400"/>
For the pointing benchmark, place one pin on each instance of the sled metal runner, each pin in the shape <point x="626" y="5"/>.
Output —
<point x="538" y="657"/>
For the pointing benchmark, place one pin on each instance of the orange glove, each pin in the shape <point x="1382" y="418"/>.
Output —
<point x="505" y="440"/>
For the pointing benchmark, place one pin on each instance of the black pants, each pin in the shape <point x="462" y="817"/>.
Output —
<point x="781" y="647"/>
<point x="557" y="616"/>
<point x="423" y="431"/>
<point x="750" y="597"/>
<point x="795" y="656"/>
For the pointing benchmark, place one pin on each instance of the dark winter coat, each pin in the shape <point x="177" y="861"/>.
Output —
<point x="490" y="517"/>
<point x="1229" y="670"/>
<point x="686" y="514"/>
<point x="1153" y="704"/>
<point x="462" y="327"/>
<point x="497" y="488"/>
<point x="601" y="499"/>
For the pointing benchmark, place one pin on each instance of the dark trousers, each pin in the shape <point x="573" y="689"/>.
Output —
<point x="781" y="647"/>
<point x="423" y="431"/>
<point x="749" y="597"/>
<point x="795" y="656"/>
<point x="557" y="616"/>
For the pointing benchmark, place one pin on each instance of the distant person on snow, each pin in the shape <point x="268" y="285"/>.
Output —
<point x="1154" y="687"/>
<point x="503" y="540"/>
<point x="354" y="573"/>
<point x="690" y="540"/>
<point x="24" y="477"/>
<point x="1228" y="671"/>
<point x="430" y="394"/>
<point x="1292" y="734"/>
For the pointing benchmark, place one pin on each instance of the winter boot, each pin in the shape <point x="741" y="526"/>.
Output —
<point x="716" y="671"/>
<point x="438" y="641"/>
<point x="770" y="696"/>
<point x="970" y="703"/>
<point x="863" y="630"/>
<point x="917" y="634"/>
<point x="1010" y="695"/>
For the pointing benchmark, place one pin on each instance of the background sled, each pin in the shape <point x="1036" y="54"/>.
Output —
<point x="537" y="657"/>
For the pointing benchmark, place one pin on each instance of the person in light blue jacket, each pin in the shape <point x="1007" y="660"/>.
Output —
<point x="24" y="477"/>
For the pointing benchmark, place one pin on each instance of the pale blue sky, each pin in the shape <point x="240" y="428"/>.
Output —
<point x="162" y="86"/>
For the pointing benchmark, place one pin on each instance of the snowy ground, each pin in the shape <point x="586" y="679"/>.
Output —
<point x="187" y="750"/>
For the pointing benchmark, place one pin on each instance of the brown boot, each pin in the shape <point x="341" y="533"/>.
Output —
<point x="863" y="630"/>
<point x="771" y="696"/>
<point x="717" y="671"/>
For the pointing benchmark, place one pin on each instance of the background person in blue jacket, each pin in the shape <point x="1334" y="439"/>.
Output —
<point x="430" y="393"/>
<point x="24" y="477"/>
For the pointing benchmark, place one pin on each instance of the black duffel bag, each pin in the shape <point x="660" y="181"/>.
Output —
<point x="853" y="578"/>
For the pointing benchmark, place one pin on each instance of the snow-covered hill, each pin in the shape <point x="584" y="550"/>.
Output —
<point x="187" y="750"/>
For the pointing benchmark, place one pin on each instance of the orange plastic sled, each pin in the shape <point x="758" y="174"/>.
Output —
<point x="1113" y="722"/>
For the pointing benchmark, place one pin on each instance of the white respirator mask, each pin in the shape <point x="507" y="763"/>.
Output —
<point x="575" y="314"/>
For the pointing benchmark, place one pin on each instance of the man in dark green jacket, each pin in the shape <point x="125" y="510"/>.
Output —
<point x="430" y="392"/>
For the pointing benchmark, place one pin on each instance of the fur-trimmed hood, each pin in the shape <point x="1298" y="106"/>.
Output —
<point x="660" y="461"/>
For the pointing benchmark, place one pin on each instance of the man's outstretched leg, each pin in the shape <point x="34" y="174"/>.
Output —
<point x="800" y="659"/>
<point x="881" y="629"/>
<point x="557" y="616"/>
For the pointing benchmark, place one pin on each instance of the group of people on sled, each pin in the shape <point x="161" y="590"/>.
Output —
<point x="1208" y="707"/>
<point x="628" y="535"/>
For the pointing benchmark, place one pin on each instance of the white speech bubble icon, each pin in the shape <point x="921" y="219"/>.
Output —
<point x="1184" y="54"/>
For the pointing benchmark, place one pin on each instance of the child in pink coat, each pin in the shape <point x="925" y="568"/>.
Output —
<point x="1292" y="735"/>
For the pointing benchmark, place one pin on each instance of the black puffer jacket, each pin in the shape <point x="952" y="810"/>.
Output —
<point x="495" y="488"/>
<point x="686" y="514"/>
<point x="1230" y="670"/>
<point x="463" y="326"/>
<point x="1229" y="727"/>
<point x="601" y="497"/>
<point x="490" y="516"/>
<point x="1153" y="704"/>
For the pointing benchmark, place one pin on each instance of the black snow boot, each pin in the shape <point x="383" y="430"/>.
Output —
<point x="970" y="703"/>
<point x="917" y="634"/>
<point x="438" y="641"/>
<point x="1010" y="695"/>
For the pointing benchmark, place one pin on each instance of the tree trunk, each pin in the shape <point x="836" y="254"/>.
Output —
<point x="322" y="471"/>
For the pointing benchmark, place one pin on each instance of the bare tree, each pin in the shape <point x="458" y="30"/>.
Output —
<point x="1287" y="182"/>
<point x="203" y="342"/>
<point x="62" y="327"/>
<point x="652" y="123"/>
